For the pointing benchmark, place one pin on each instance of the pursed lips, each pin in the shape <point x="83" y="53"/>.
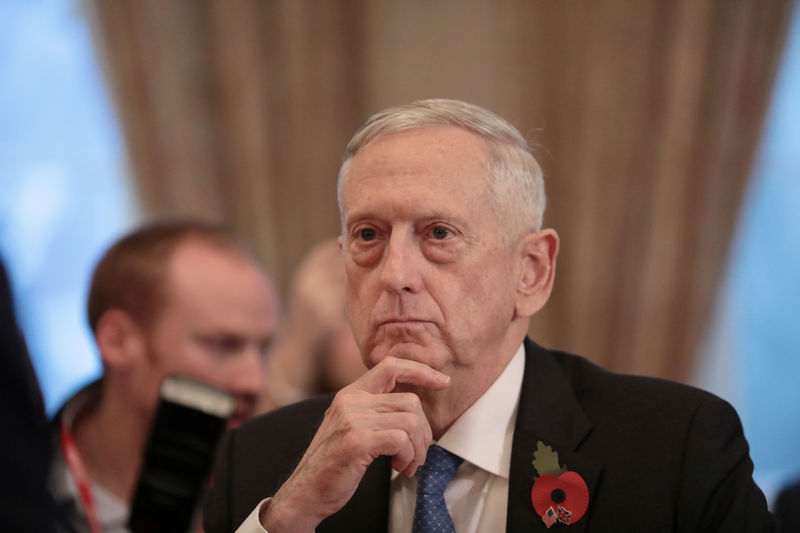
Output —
<point x="403" y="329"/>
<point x="403" y="321"/>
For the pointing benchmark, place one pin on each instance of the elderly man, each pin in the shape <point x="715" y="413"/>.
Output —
<point x="461" y="423"/>
<point x="177" y="297"/>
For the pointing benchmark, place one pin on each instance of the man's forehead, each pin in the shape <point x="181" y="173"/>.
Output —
<point x="198" y="267"/>
<point x="433" y="157"/>
<point x="413" y="199"/>
<point x="433" y="141"/>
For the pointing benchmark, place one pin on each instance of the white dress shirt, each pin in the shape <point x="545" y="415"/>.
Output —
<point x="112" y="512"/>
<point x="477" y="496"/>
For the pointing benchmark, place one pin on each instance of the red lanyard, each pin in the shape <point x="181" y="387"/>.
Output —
<point x="81" y="477"/>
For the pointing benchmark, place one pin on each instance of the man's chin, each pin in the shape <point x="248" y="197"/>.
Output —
<point x="411" y="351"/>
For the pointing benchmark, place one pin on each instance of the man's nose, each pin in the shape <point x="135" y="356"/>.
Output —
<point x="248" y="379"/>
<point x="400" y="264"/>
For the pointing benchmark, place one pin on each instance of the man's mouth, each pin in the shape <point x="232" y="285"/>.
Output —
<point x="402" y="321"/>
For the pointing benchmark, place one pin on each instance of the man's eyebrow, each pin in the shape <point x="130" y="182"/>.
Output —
<point x="458" y="219"/>
<point x="448" y="217"/>
<point x="365" y="215"/>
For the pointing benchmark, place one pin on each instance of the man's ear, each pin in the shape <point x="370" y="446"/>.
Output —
<point x="538" y="252"/>
<point x="119" y="339"/>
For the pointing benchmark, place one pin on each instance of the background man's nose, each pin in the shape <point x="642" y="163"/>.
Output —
<point x="248" y="379"/>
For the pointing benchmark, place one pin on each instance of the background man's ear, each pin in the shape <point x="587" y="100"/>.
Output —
<point x="538" y="252"/>
<point x="119" y="339"/>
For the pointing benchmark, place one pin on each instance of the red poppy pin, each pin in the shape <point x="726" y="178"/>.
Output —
<point x="558" y="495"/>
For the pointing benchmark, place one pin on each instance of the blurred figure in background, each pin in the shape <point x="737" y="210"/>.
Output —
<point x="315" y="351"/>
<point x="24" y="451"/>
<point x="172" y="298"/>
<point x="787" y="508"/>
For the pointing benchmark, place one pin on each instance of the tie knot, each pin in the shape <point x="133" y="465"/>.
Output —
<point x="439" y="468"/>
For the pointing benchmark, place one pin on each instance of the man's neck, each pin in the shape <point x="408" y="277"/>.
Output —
<point x="111" y="439"/>
<point x="444" y="407"/>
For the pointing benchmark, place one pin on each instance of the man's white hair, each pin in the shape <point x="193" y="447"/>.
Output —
<point x="514" y="176"/>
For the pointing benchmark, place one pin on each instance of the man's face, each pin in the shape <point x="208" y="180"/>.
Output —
<point x="430" y="276"/>
<point x="218" y="320"/>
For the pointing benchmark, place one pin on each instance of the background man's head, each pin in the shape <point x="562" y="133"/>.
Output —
<point x="181" y="297"/>
<point x="513" y="174"/>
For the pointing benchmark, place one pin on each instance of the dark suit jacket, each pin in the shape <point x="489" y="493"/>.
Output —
<point x="787" y="508"/>
<point x="25" y="504"/>
<point x="656" y="456"/>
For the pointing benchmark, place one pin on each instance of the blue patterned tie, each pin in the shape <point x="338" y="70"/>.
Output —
<point x="430" y="513"/>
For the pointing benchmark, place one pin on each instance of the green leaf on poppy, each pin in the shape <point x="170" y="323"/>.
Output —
<point x="545" y="460"/>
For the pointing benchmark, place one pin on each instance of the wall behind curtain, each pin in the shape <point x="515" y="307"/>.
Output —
<point x="645" y="116"/>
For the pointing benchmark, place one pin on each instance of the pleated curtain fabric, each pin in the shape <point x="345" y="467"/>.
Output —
<point x="644" y="115"/>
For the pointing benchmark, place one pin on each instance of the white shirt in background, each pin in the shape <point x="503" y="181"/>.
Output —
<point x="477" y="496"/>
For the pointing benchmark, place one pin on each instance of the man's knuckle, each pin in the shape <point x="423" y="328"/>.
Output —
<point x="409" y="421"/>
<point x="344" y="400"/>
<point x="414" y="403"/>
<point x="354" y="440"/>
<point x="398" y="438"/>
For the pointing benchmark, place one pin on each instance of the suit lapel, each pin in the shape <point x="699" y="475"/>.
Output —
<point x="548" y="412"/>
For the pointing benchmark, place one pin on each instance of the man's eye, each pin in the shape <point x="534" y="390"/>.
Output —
<point x="367" y="234"/>
<point x="222" y="345"/>
<point x="440" y="232"/>
<point x="265" y="346"/>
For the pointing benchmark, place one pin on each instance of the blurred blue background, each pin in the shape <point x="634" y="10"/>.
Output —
<point x="63" y="189"/>
<point x="753" y="353"/>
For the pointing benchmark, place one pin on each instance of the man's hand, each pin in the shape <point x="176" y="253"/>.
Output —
<point x="365" y="420"/>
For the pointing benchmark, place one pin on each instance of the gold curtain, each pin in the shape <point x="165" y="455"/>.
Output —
<point x="645" y="114"/>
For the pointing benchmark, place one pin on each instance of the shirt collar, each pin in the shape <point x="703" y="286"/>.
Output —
<point x="80" y="402"/>
<point x="112" y="512"/>
<point x="483" y="434"/>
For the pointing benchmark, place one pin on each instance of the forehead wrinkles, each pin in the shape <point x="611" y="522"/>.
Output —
<point x="444" y="155"/>
<point x="418" y="201"/>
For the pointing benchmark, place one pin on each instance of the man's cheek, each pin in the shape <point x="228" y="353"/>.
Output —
<point x="374" y="355"/>
<point x="365" y="342"/>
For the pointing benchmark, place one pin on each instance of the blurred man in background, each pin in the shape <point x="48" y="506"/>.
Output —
<point x="172" y="298"/>
<point x="314" y="352"/>
<point x="24" y="451"/>
<point x="787" y="507"/>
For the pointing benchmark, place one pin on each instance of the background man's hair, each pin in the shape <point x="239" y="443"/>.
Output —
<point x="512" y="172"/>
<point x="131" y="275"/>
